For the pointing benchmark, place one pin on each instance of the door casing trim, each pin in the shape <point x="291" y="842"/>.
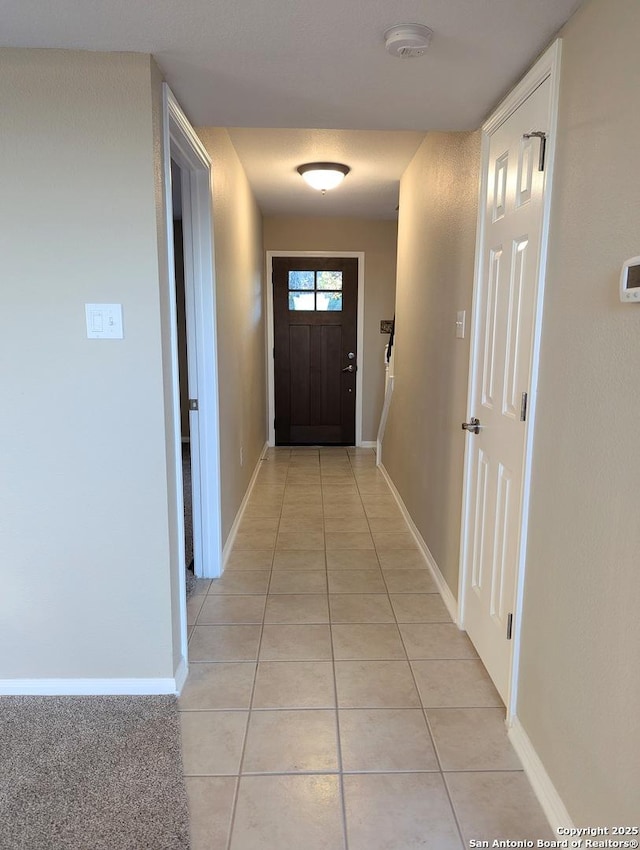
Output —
<point x="271" y="406"/>
<point x="547" y="66"/>
<point x="182" y="144"/>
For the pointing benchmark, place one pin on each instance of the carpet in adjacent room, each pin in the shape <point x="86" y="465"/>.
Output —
<point x="91" y="773"/>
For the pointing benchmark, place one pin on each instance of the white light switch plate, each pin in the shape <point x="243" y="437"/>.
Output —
<point x="461" y="320"/>
<point x="104" y="321"/>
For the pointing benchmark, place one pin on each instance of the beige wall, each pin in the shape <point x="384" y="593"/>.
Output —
<point x="580" y="676"/>
<point x="423" y="448"/>
<point x="378" y="240"/>
<point x="240" y="321"/>
<point x="85" y="572"/>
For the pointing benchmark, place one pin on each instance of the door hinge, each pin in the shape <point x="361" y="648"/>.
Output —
<point x="193" y="404"/>
<point x="539" y="134"/>
<point x="509" y="626"/>
<point x="523" y="407"/>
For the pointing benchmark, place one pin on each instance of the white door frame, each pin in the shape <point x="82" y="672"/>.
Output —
<point x="271" y="404"/>
<point x="547" y="66"/>
<point x="182" y="144"/>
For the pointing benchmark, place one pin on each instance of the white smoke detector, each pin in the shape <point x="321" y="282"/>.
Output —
<point x="407" y="40"/>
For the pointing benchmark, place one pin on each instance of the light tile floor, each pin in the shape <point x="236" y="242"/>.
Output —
<point x="331" y="703"/>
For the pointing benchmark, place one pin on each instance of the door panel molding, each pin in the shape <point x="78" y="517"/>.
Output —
<point x="547" y="67"/>
<point x="360" y="256"/>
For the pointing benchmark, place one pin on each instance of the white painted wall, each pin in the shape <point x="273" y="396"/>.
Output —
<point x="85" y="565"/>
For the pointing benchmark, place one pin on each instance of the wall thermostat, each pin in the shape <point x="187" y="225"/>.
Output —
<point x="630" y="280"/>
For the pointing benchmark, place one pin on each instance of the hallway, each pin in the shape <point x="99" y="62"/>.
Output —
<point x="331" y="702"/>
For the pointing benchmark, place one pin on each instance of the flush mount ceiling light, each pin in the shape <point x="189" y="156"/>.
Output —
<point x="323" y="175"/>
<point x="407" y="40"/>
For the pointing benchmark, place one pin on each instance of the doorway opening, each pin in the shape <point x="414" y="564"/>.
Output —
<point x="183" y="369"/>
<point x="194" y="375"/>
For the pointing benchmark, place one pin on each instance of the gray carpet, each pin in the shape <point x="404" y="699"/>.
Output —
<point x="192" y="583"/>
<point x="91" y="773"/>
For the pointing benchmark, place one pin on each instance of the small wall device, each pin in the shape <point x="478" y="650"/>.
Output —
<point x="630" y="280"/>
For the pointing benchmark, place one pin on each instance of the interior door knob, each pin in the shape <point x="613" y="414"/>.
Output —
<point x="473" y="426"/>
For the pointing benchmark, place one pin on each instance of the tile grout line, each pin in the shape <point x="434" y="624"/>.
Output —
<point x="352" y="708"/>
<point x="234" y="808"/>
<point x="383" y="771"/>
<point x="415" y="684"/>
<point x="433" y="741"/>
<point x="355" y="658"/>
<point x="443" y="776"/>
<point x="343" y="807"/>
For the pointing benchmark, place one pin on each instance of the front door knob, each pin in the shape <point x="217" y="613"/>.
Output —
<point x="349" y="368"/>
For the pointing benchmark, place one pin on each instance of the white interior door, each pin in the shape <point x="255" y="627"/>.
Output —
<point x="505" y="308"/>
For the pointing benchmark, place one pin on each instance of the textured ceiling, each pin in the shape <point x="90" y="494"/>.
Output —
<point x="303" y="64"/>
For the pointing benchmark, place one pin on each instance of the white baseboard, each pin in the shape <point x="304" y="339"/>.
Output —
<point x="543" y="787"/>
<point x="367" y="444"/>
<point x="388" y="393"/>
<point x="445" y="591"/>
<point x="231" y="539"/>
<point x="180" y="676"/>
<point x="86" y="687"/>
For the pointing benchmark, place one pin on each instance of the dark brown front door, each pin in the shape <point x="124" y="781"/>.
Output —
<point x="315" y="308"/>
